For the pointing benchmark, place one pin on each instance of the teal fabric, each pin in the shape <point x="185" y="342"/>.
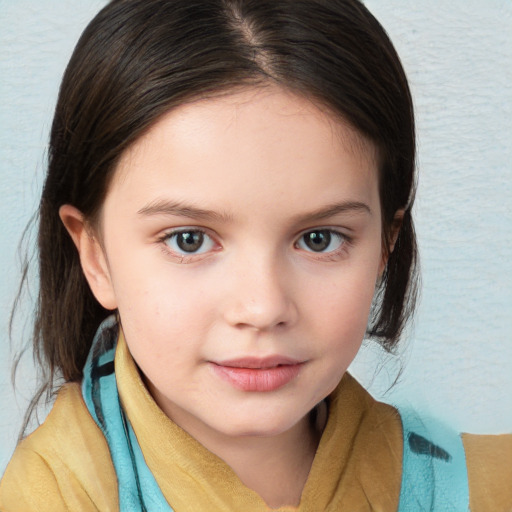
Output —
<point x="138" y="489"/>
<point x="434" y="471"/>
<point x="434" y="476"/>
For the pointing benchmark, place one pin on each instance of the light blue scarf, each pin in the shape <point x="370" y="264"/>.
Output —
<point x="138" y="490"/>
<point x="434" y="478"/>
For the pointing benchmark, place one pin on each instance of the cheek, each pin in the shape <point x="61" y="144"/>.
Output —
<point x="344" y="301"/>
<point x="148" y="286"/>
<point x="165" y="311"/>
<point x="340" y="318"/>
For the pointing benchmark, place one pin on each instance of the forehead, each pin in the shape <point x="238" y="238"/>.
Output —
<point x="249" y="142"/>
<point x="267" y="102"/>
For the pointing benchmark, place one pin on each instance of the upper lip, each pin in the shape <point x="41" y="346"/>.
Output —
<point x="258" y="362"/>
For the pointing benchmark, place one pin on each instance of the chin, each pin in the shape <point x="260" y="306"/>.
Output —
<point x="262" y="425"/>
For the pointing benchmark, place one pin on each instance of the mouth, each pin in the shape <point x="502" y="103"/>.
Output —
<point x="258" y="374"/>
<point x="259" y="363"/>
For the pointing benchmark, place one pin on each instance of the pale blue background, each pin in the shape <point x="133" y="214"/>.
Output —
<point x="458" y="54"/>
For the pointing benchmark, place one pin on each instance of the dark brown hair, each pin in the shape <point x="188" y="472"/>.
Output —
<point x="138" y="59"/>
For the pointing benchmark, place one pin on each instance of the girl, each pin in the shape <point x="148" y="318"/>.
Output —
<point x="227" y="212"/>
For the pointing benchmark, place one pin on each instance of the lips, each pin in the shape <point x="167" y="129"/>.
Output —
<point x="258" y="374"/>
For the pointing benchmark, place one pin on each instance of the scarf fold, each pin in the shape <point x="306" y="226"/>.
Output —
<point x="434" y="475"/>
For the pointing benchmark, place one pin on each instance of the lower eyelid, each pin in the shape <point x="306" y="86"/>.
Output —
<point x="335" y="255"/>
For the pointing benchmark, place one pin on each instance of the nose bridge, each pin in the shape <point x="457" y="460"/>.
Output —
<point x="261" y="296"/>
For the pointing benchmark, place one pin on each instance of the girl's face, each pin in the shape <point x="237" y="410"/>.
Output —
<point x="241" y="243"/>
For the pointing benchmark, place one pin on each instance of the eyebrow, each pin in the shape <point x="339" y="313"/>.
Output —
<point x="177" y="208"/>
<point x="180" y="209"/>
<point x="350" y="207"/>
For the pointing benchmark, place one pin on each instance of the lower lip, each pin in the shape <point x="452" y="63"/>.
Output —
<point x="258" y="379"/>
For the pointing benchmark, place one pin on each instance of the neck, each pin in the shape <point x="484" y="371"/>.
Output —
<point x="275" y="467"/>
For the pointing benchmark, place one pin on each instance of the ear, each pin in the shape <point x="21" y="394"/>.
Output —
<point x="92" y="256"/>
<point x="395" y="230"/>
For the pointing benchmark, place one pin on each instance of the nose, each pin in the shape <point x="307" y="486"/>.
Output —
<point x="260" y="296"/>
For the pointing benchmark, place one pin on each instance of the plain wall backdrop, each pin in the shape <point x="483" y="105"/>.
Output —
<point x="457" y="358"/>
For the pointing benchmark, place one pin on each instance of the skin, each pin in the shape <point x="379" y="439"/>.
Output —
<point x="256" y="170"/>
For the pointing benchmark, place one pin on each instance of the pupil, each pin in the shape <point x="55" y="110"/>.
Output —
<point x="318" y="240"/>
<point x="190" y="241"/>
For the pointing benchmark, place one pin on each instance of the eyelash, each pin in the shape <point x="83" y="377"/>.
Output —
<point x="188" y="257"/>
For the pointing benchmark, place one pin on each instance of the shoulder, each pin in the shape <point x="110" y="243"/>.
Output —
<point x="489" y="463"/>
<point x="63" y="465"/>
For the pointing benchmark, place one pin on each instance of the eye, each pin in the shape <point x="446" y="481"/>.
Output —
<point x="189" y="241"/>
<point x="321" y="240"/>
